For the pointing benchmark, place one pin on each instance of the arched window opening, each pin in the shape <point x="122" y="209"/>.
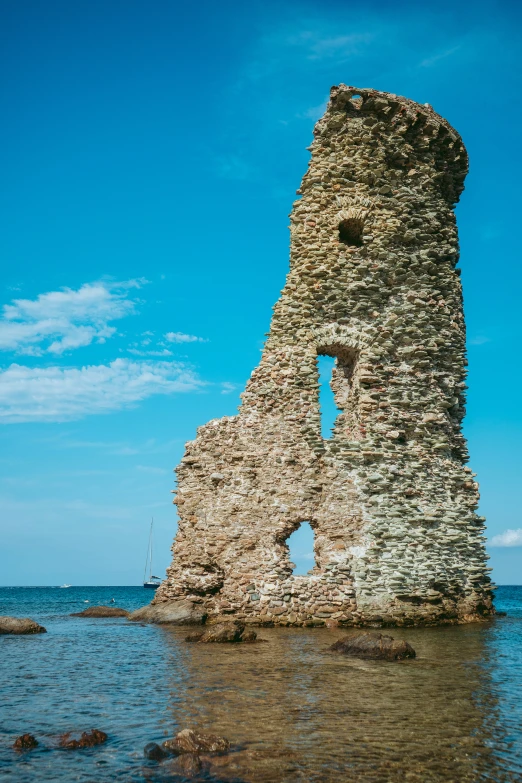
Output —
<point x="338" y="391"/>
<point x="301" y="547"/>
<point x="327" y="405"/>
<point x="351" y="232"/>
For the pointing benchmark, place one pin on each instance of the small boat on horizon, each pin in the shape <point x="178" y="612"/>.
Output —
<point x="153" y="582"/>
<point x="66" y="585"/>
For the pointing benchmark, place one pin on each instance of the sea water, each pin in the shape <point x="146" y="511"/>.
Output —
<point x="292" y="710"/>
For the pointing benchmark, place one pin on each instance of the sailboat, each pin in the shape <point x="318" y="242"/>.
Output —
<point x="153" y="581"/>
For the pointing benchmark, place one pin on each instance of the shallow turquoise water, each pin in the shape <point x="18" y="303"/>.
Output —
<point x="293" y="711"/>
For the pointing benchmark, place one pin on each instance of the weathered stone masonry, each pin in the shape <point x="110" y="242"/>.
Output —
<point x="372" y="281"/>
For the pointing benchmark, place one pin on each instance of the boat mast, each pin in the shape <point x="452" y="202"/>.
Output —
<point x="148" y="559"/>
<point x="151" y="524"/>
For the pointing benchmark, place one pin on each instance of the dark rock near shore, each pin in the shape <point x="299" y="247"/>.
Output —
<point x="189" y="741"/>
<point x="25" y="742"/>
<point x="182" y="612"/>
<point x="233" y="632"/>
<point x="374" y="646"/>
<point x="154" y="752"/>
<point x="19" y="625"/>
<point x="188" y="765"/>
<point x="194" y="637"/>
<point x="102" y="611"/>
<point x="88" y="739"/>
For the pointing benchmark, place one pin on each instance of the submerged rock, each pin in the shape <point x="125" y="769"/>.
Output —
<point x="25" y="742"/>
<point x="19" y="625"/>
<point x="102" y="611"/>
<point x="188" y="764"/>
<point x="154" y="752"/>
<point x="189" y="741"/>
<point x="223" y="632"/>
<point x="182" y="612"/>
<point x="88" y="739"/>
<point x="374" y="645"/>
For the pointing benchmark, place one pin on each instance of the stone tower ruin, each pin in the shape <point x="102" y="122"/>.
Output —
<point x="373" y="283"/>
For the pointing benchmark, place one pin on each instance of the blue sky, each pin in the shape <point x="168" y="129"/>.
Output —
<point x="150" y="153"/>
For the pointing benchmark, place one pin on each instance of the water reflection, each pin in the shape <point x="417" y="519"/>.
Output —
<point x="294" y="712"/>
<point x="299" y="713"/>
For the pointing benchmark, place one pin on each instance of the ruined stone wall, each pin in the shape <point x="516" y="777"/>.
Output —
<point x="372" y="282"/>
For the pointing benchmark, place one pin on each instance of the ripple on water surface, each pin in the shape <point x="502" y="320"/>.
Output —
<point x="293" y="711"/>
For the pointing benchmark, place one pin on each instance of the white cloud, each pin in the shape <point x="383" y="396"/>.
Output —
<point x="138" y="352"/>
<point x="64" y="394"/>
<point x="480" y="340"/>
<point x="228" y="388"/>
<point x="508" y="538"/>
<point x="59" y="321"/>
<point x="179" y="337"/>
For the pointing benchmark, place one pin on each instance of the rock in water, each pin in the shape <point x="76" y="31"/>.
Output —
<point x="223" y="632"/>
<point x="25" y="742"/>
<point x="19" y="625"/>
<point x="154" y="752"/>
<point x="183" y="612"/>
<point x="195" y="636"/>
<point x="188" y="765"/>
<point x="374" y="645"/>
<point x="102" y="611"/>
<point x="88" y="739"/>
<point x="189" y="741"/>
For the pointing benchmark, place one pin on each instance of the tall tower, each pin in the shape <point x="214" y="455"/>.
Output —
<point x="373" y="283"/>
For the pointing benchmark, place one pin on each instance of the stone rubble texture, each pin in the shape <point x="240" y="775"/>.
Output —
<point x="372" y="282"/>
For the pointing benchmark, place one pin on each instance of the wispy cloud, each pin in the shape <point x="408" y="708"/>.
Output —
<point x="179" y="337"/>
<point x="152" y="352"/>
<point x="67" y="440"/>
<point x="54" y="509"/>
<point x="59" y="321"/>
<point x="508" y="538"/>
<point x="479" y="340"/>
<point x="430" y="61"/>
<point x="64" y="394"/>
<point x="152" y="470"/>
<point x="314" y="44"/>
<point x="340" y="47"/>
<point x="228" y="388"/>
<point x="314" y="112"/>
